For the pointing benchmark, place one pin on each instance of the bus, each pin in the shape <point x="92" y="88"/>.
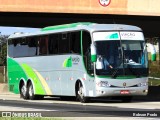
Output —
<point x="82" y="60"/>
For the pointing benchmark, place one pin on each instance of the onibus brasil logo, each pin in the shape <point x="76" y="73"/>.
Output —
<point x="104" y="3"/>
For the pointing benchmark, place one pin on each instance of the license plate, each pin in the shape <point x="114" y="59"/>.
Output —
<point x="124" y="92"/>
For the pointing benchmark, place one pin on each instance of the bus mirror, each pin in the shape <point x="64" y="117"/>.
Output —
<point x="93" y="53"/>
<point x="153" y="51"/>
<point x="99" y="63"/>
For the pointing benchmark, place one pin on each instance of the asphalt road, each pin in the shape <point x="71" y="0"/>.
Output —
<point x="54" y="107"/>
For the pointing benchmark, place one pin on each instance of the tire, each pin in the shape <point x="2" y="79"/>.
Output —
<point x="23" y="92"/>
<point x="31" y="91"/>
<point x="80" y="94"/>
<point x="31" y="94"/>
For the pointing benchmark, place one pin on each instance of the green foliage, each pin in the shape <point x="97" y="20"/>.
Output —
<point x="4" y="55"/>
<point x="3" y="49"/>
<point x="154" y="82"/>
<point x="154" y="69"/>
<point x="153" y="40"/>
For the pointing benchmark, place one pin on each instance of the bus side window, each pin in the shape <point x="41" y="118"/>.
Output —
<point x="43" y="45"/>
<point x="10" y="48"/>
<point x="64" y="43"/>
<point x="20" y="48"/>
<point x="53" y="44"/>
<point x="32" y="46"/>
<point x="75" y="43"/>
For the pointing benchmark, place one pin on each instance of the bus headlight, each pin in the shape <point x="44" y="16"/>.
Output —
<point x="103" y="84"/>
<point x="142" y="84"/>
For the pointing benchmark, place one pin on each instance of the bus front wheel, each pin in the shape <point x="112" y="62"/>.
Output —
<point x="80" y="94"/>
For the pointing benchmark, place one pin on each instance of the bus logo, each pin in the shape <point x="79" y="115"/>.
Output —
<point x="104" y="3"/>
<point x="124" y="84"/>
<point x="67" y="62"/>
<point x="70" y="61"/>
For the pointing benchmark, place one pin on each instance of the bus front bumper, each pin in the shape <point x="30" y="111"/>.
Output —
<point x="134" y="91"/>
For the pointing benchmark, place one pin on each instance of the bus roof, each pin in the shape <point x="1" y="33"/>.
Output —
<point x="78" y="26"/>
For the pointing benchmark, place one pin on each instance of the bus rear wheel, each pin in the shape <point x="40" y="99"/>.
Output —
<point x="31" y="93"/>
<point x="80" y="94"/>
<point x="23" y="91"/>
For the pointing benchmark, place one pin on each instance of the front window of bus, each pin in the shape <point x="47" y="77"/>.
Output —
<point x="118" y="57"/>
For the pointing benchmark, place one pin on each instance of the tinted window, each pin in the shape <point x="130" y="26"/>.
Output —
<point x="43" y="45"/>
<point x="10" y="48"/>
<point x="60" y="43"/>
<point x="22" y="47"/>
<point x="75" y="43"/>
<point x="53" y="44"/>
<point x="32" y="46"/>
<point x="64" y="43"/>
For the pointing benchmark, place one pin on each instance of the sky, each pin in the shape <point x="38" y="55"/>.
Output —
<point x="11" y="30"/>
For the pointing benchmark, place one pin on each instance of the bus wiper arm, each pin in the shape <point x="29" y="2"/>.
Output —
<point x="114" y="74"/>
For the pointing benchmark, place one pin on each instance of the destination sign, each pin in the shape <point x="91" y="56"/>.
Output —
<point x="100" y="36"/>
<point x="131" y="35"/>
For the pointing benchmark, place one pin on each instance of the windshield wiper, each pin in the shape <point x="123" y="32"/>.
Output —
<point x="114" y="74"/>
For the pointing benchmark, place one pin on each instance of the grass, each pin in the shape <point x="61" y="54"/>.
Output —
<point x="154" y="69"/>
<point x="153" y="82"/>
<point x="157" y="56"/>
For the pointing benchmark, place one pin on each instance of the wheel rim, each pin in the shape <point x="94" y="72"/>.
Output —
<point x="31" y="90"/>
<point x="80" y="92"/>
<point x="23" y="90"/>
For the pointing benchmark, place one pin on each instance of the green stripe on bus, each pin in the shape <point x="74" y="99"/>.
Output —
<point x="37" y="84"/>
<point x="14" y="78"/>
<point x="57" y="27"/>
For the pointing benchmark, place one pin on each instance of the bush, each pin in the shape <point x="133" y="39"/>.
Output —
<point x="154" y="69"/>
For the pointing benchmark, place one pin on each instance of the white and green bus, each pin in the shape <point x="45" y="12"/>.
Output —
<point x="84" y="60"/>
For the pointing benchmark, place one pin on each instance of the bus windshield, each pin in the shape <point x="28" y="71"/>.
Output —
<point x="121" y="57"/>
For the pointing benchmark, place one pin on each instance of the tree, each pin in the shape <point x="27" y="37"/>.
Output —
<point x="3" y="49"/>
<point x="4" y="55"/>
